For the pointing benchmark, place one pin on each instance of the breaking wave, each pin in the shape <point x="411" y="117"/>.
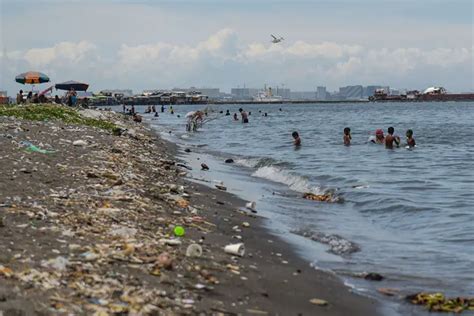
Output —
<point x="294" y="182"/>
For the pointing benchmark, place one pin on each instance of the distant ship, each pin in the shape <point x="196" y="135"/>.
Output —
<point x="266" y="96"/>
<point x="430" y="94"/>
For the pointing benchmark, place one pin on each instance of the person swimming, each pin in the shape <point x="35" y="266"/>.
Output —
<point x="390" y="139"/>
<point x="410" y="140"/>
<point x="347" y="136"/>
<point x="297" y="139"/>
<point x="227" y="113"/>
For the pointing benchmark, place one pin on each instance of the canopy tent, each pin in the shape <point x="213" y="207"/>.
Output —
<point x="71" y="84"/>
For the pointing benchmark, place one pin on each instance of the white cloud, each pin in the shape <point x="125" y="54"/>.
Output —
<point x="224" y="60"/>
<point x="62" y="52"/>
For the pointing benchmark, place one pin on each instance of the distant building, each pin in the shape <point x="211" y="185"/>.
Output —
<point x="394" y="92"/>
<point x="370" y="90"/>
<point x="243" y="93"/>
<point x="213" y="93"/>
<point x="285" y="93"/>
<point x="121" y="92"/>
<point x="351" y="92"/>
<point x="303" y="95"/>
<point x="321" y="93"/>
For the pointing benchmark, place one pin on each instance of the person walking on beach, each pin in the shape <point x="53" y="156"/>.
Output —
<point x="410" y="140"/>
<point x="347" y="136"/>
<point x="296" y="139"/>
<point x="162" y="108"/>
<point x="390" y="139"/>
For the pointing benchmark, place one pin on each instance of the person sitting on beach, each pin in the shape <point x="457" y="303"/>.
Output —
<point x="19" y="97"/>
<point x="29" y="97"/>
<point x="57" y="100"/>
<point x="410" y="140"/>
<point x="347" y="136"/>
<point x="297" y="139"/>
<point x="390" y="139"/>
<point x="36" y="98"/>
<point x="227" y="113"/>
<point x="148" y="110"/>
<point x="156" y="114"/>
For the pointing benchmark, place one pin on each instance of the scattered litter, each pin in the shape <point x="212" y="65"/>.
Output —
<point x="319" y="302"/>
<point x="235" y="249"/>
<point x="171" y="242"/>
<point x="387" y="291"/>
<point x="30" y="147"/>
<point x="58" y="263"/>
<point x="318" y="197"/>
<point x="194" y="250"/>
<point x="221" y="187"/>
<point x="79" y="142"/>
<point x="437" y="302"/>
<point x="179" y="231"/>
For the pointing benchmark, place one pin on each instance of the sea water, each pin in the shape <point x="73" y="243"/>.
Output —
<point x="406" y="214"/>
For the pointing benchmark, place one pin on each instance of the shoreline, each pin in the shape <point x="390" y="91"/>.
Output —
<point x="103" y="208"/>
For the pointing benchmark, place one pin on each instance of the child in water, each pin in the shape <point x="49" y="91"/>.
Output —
<point x="410" y="140"/>
<point x="390" y="139"/>
<point x="297" y="139"/>
<point x="379" y="137"/>
<point x="347" y="136"/>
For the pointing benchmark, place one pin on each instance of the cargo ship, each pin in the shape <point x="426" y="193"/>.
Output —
<point x="431" y="94"/>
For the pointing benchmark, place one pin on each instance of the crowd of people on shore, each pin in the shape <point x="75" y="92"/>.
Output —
<point x="69" y="99"/>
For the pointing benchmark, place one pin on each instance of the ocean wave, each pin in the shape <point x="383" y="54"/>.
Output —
<point x="337" y="244"/>
<point x="294" y="182"/>
<point x="259" y="162"/>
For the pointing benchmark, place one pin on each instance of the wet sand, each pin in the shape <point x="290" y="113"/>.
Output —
<point x="104" y="206"/>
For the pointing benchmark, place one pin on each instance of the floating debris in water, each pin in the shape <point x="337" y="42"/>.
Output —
<point x="437" y="302"/>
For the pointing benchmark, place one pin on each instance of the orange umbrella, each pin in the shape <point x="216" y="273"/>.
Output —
<point x="31" y="77"/>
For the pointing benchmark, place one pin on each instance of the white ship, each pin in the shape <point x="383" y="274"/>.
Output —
<point x="266" y="95"/>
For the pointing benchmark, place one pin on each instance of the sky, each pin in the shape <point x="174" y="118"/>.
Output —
<point x="144" y="44"/>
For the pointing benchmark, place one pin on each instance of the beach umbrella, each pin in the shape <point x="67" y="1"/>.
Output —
<point x="78" y="86"/>
<point x="31" y="77"/>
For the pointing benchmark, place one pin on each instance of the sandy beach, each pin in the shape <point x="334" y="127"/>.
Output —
<point x="87" y="227"/>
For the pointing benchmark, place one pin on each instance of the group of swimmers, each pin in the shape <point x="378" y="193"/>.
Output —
<point x="390" y="140"/>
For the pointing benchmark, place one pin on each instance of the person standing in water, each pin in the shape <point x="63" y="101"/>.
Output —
<point x="379" y="137"/>
<point x="245" y="118"/>
<point x="410" y="140"/>
<point x="390" y="139"/>
<point x="296" y="139"/>
<point x="227" y="113"/>
<point x="347" y="136"/>
<point x="236" y="118"/>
